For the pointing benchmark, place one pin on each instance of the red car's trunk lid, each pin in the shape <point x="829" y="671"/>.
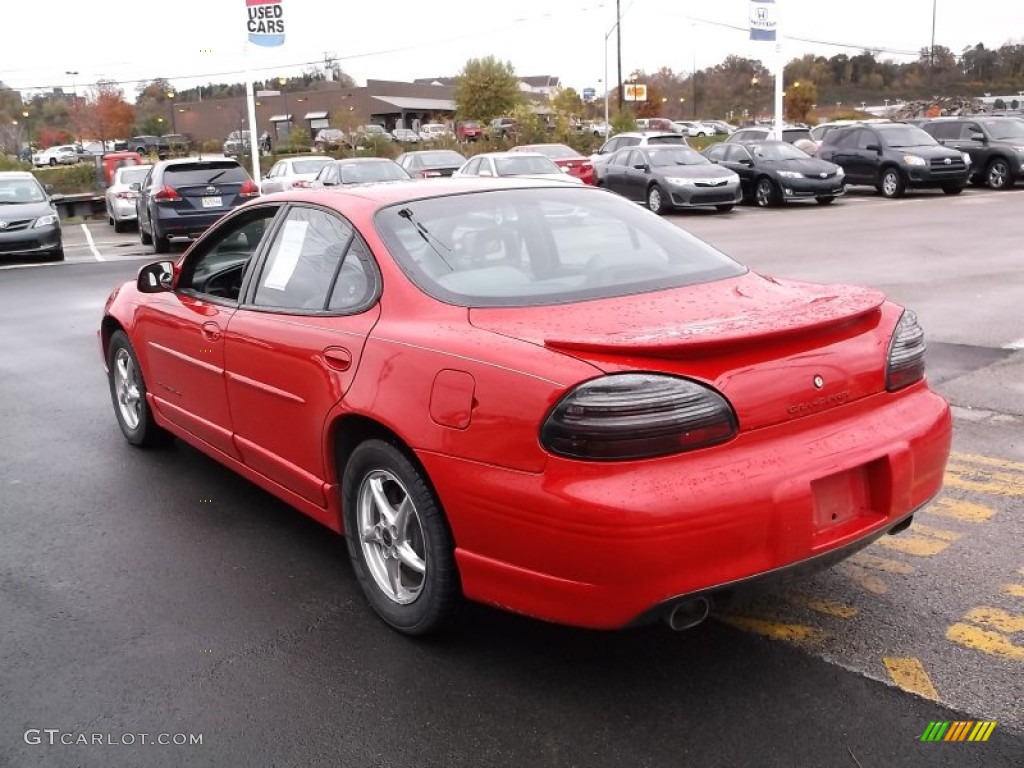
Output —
<point x="777" y="350"/>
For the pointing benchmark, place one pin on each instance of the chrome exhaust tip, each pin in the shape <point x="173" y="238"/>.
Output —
<point x="688" y="614"/>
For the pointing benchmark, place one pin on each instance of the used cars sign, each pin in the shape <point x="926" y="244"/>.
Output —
<point x="265" y="22"/>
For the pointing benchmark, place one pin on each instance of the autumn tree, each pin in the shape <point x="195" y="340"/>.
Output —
<point x="154" y="101"/>
<point x="800" y="100"/>
<point x="103" y="114"/>
<point x="485" y="89"/>
<point x="568" y="107"/>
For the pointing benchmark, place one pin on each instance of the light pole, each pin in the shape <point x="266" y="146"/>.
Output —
<point x="74" y="86"/>
<point x="288" y="118"/>
<point x="28" y="128"/>
<point x="618" y="46"/>
<point x="174" y="124"/>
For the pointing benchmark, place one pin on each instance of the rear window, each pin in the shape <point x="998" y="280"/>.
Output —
<point x="133" y="175"/>
<point x="359" y="173"/>
<point x="555" y="151"/>
<point x="524" y="165"/>
<point x="205" y="173"/>
<point x="542" y="246"/>
<point x="676" y="139"/>
<point x="312" y="165"/>
<point x="438" y="159"/>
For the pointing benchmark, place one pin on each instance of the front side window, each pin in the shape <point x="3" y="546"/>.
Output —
<point x="303" y="261"/>
<point x="542" y="246"/>
<point x="216" y="268"/>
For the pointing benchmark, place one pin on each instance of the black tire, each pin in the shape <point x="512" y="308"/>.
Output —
<point x="53" y="162"/>
<point x="120" y="226"/>
<point x="56" y="255"/>
<point x="766" y="194"/>
<point x="110" y="220"/>
<point x="953" y="190"/>
<point x="146" y="433"/>
<point x="997" y="174"/>
<point x="725" y="208"/>
<point x="439" y="591"/>
<point x="826" y="200"/>
<point x="891" y="183"/>
<point x="160" y="243"/>
<point x="144" y="237"/>
<point x="656" y="200"/>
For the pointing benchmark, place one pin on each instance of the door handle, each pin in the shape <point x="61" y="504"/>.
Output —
<point x="210" y="331"/>
<point x="338" y="358"/>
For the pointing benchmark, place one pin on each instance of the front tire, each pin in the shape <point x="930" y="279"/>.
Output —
<point x="891" y="184"/>
<point x="765" y="193"/>
<point x="954" y="190"/>
<point x="725" y="208"/>
<point x="826" y="200"/>
<point x="57" y="254"/>
<point x="128" y="394"/>
<point x="656" y="200"/>
<point x="398" y="539"/>
<point x="997" y="174"/>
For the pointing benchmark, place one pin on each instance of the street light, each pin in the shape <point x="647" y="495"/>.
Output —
<point x="288" y="121"/>
<point x="74" y="86"/>
<point x="174" y="124"/>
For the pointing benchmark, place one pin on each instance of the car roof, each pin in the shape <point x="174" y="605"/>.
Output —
<point x="408" y="190"/>
<point x="511" y="154"/>
<point x="359" y="160"/>
<point x="16" y="175"/>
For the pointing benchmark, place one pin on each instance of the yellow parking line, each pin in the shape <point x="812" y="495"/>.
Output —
<point x="908" y="674"/>
<point x="911" y="544"/>
<point x="776" y="630"/>
<point x="997" y="483"/>
<point x="988" y="461"/>
<point x="1013" y="590"/>
<point x="867" y="560"/>
<point x="827" y="607"/>
<point x="936" y="533"/>
<point x="992" y="643"/>
<point x="996" y="618"/>
<point x="963" y="511"/>
<point x="865" y="579"/>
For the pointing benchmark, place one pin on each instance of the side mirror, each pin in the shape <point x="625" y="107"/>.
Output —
<point x="642" y="167"/>
<point x="746" y="161"/>
<point x="873" y="148"/>
<point x="157" y="277"/>
<point x="978" y="137"/>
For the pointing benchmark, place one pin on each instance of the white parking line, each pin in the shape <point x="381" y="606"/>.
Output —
<point x="1018" y="344"/>
<point x="92" y="245"/>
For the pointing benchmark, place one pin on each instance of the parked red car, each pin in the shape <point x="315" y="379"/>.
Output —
<point x="469" y="130"/>
<point x="564" y="156"/>
<point x="531" y="394"/>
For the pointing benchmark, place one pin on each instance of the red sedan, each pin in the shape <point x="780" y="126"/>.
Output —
<point x="564" y="157"/>
<point x="532" y="395"/>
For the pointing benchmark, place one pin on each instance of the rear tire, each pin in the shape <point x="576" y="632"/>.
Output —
<point x="827" y="200"/>
<point x="144" y="237"/>
<point x="120" y="226"/>
<point x="956" y="190"/>
<point x="401" y="548"/>
<point x="160" y="243"/>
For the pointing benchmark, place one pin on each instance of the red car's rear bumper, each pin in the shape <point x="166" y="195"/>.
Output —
<point x="603" y="544"/>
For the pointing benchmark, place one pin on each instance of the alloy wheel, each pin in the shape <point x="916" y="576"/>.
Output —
<point x="391" y="536"/>
<point x="126" y="388"/>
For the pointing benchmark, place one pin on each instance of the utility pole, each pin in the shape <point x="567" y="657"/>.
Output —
<point x="618" y="46"/>
<point x="931" y="51"/>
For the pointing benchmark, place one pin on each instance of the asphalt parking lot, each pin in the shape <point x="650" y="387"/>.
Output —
<point x="159" y="593"/>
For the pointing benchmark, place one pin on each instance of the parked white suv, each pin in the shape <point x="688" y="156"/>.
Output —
<point x="62" y="154"/>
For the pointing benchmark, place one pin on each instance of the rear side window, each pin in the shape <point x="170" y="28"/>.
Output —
<point x="204" y="173"/>
<point x="675" y="139"/>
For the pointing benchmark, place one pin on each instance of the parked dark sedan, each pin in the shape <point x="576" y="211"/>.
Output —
<point x="359" y="170"/>
<point x="894" y="156"/>
<point x="431" y="163"/>
<point x="182" y="198"/>
<point x="667" y="177"/>
<point x="29" y="224"/>
<point x="773" y="172"/>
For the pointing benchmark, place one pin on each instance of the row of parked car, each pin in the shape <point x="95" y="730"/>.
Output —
<point x="70" y="154"/>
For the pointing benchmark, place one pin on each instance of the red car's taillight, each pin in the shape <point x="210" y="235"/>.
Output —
<point x="637" y="416"/>
<point x="125" y="195"/>
<point x="167" y="195"/>
<point x="906" y="354"/>
<point x="429" y="174"/>
<point x="249" y="189"/>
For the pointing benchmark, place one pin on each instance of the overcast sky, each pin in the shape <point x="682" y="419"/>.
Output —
<point x="198" y="41"/>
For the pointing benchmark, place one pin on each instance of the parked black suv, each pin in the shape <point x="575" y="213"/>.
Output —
<point x="182" y="198"/>
<point x="146" y="144"/>
<point x="894" y="156"/>
<point x="995" y="144"/>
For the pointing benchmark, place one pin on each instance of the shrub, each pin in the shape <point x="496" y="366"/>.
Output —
<point x="9" y="163"/>
<point x="212" y="146"/>
<point x="69" y="179"/>
<point x="624" y="121"/>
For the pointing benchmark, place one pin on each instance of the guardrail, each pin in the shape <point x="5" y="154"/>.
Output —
<point x="86" y="205"/>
